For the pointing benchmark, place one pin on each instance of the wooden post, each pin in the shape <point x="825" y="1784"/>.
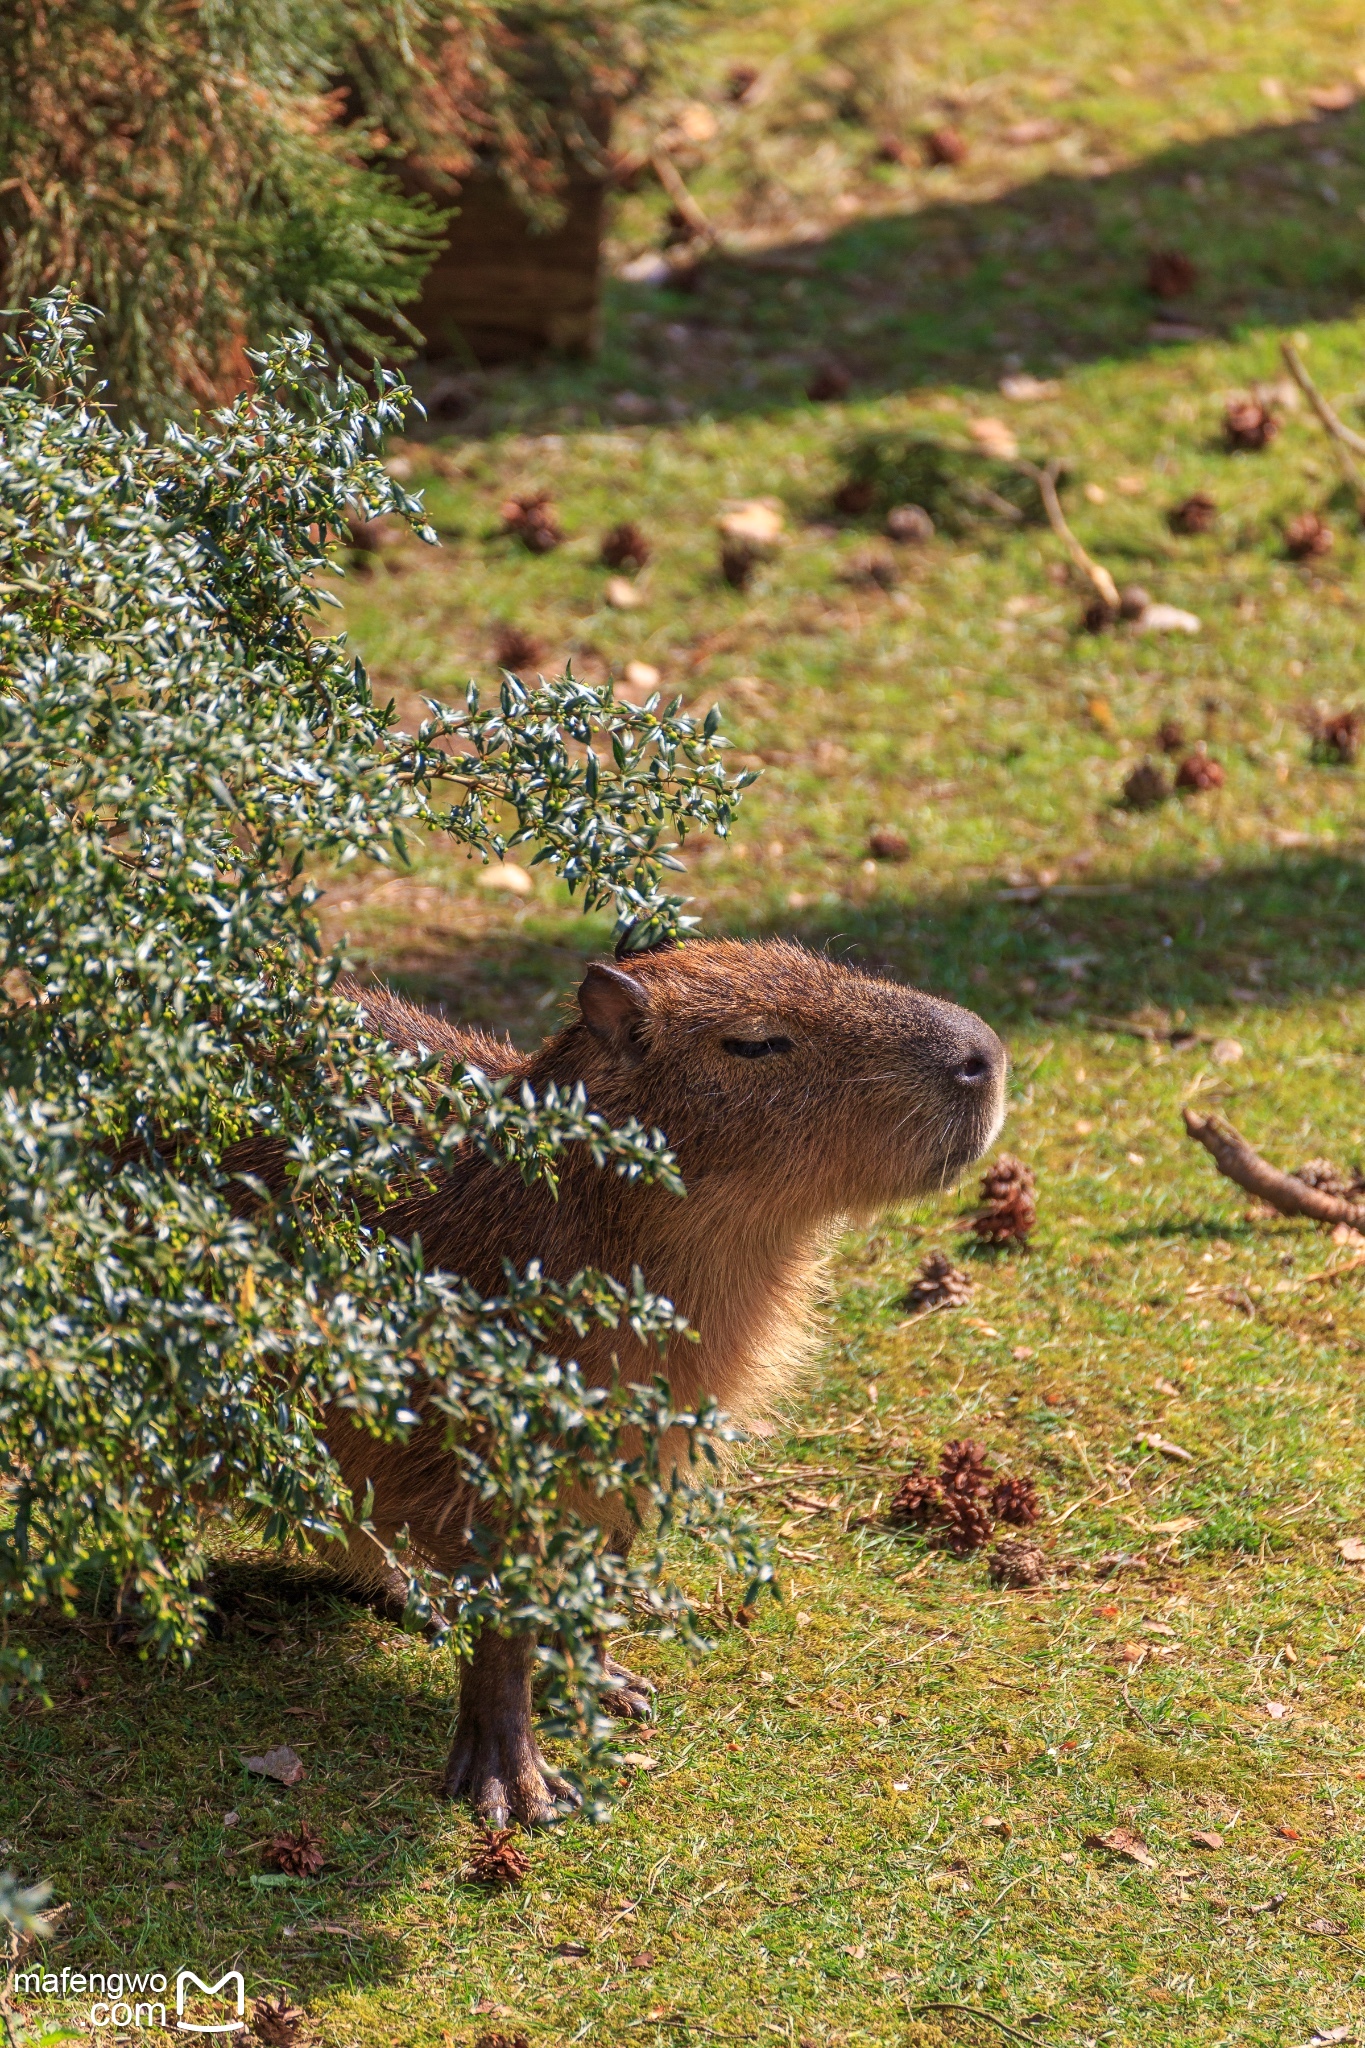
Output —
<point x="502" y="292"/>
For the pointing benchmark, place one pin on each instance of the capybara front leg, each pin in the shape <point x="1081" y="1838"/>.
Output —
<point x="494" y="1762"/>
<point x="632" y="1698"/>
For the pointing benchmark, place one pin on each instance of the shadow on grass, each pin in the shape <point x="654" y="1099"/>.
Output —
<point x="118" y="1795"/>
<point x="1052" y="272"/>
<point x="1183" y="946"/>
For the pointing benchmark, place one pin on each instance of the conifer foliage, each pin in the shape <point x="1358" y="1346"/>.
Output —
<point x="212" y="176"/>
<point x="187" y="170"/>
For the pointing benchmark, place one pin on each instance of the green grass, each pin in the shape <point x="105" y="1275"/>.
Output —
<point x="818" y="1854"/>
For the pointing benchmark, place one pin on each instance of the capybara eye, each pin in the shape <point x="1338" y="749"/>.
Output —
<point x="755" y="1048"/>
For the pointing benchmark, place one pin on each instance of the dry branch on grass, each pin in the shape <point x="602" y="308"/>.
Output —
<point x="1102" y="582"/>
<point x="671" y="178"/>
<point x="1233" y="1157"/>
<point x="1346" y="443"/>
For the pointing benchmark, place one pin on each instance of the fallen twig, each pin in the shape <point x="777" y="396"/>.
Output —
<point x="1178" y="1035"/>
<point x="1332" y="1272"/>
<point x="1236" y="1159"/>
<point x="1105" y="587"/>
<point x="671" y="178"/>
<point x="977" y="2012"/>
<point x="982" y="494"/>
<point x="1347" y="443"/>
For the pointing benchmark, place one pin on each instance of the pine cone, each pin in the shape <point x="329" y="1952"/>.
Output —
<point x="917" y="1501"/>
<point x="967" y="1522"/>
<point x="855" y="496"/>
<point x="885" y="844"/>
<point x="534" y="521"/>
<point x="1337" y="735"/>
<point x="1017" y="1564"/>
<point x="625" y="547"/>
<point x="950" y="1506"/>
<point x="962" y="1466"/>
<point x="1195" y="514"/>
<point x="302" y="1855"/>
<point x="1003" y="1173"/>
<point x="277" y="2023"/>
<point x="1198" y="771"/>
<point x="1098" y="616"/>
<point x="1307" y="536"/>
<point x="909" y="524"/>
<point x="945" y="146"/>
<point x="829" y="383"/>
<point x="1248" y="425"/>
<point x="497" y="1860"/>
<point x="515" y="650"/>
<point x="1170" y="736"/>
<point x="1171" y="274"/>
<point x="938" y="1284"/>
<point x="737" y="563"/>
<point x="1016" y="1501"/>
<point x="1007" y="1194"/>
<point x="872" y="566"/>
<point x="1146" y="787"/>
<point x="1332" y="1179"/>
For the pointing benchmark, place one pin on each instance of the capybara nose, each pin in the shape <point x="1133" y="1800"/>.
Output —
<point x="978" y="1060"/>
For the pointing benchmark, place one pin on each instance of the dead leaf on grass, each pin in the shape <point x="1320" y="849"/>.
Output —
<point x="277" y="2023"/>
<point x="282" y="1764"/>
<point x="1206" y="1838"/>
<point x="1277" y="1710"/>
<point x="757" y="522"/>
<point x="1351" y="1550"/>
<point x="1026" y="390"/>
<point x="1153" y="1442"/>
<point x="994" y="438"/>
<point x="1125" y="1842"/>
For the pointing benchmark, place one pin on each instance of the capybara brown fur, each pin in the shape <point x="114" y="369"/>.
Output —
<point x="796" y="1093"/>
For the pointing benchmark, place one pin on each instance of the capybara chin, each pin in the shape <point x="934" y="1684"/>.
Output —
<point x="796" y="1093"/>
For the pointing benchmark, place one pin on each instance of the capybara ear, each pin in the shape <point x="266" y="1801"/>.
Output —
<point x="613" y="1004"/>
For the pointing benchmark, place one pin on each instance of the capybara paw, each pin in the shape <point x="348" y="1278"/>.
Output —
<point x="632" y="1699"/>
<point x="502" y="1789"/>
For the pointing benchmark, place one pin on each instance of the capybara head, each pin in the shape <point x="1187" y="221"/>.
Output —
<point x="834" y="1089"/>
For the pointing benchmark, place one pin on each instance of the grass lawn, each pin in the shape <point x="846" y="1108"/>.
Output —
<point x="872" y="1816"/>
